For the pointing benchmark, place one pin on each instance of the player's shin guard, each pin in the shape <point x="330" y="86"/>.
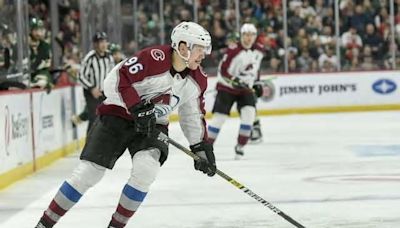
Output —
<point x="86" y="175"/>
<point x="215" y="125"/>
<point x="145" y="169"/>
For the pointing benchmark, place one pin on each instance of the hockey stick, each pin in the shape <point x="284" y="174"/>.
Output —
<point x="264" y="80"/>
<point x="238" y="185"/>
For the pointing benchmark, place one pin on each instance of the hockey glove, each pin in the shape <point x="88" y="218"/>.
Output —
<point x="206" y="163"/>
<point x="144" y="119"/>
<point x="239" y="84"/>
<point x="258" y="89"/>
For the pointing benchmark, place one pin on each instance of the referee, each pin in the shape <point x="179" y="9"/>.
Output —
<point x="94" y="68"/>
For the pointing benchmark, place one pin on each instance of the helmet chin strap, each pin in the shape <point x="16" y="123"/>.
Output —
<point x="185" y="59"/>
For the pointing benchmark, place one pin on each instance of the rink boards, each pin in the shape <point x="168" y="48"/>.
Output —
<point x="36" y="128"/>
<point x="325" y="92"/>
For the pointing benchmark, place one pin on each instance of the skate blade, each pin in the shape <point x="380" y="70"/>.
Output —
<point x="238" y="156"/>
<point x="255" y="141"/>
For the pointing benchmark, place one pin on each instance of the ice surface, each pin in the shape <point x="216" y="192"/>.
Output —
<point x="330" y="170"/>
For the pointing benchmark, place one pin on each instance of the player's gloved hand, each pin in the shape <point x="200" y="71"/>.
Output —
<point x="144" y="119"/>
<point x="206" y="163"/>
<point x="239" y="84"/>
<point x="258" y="89"/>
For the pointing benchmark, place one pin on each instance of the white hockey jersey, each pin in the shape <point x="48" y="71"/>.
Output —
<point x="242" y="63"/>
<point x="147" y="76"/>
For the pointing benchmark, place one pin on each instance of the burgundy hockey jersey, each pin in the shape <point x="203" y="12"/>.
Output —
<point x="147" y="76"/>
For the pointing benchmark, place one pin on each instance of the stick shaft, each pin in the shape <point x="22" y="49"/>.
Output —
<point x="236" y="184"/>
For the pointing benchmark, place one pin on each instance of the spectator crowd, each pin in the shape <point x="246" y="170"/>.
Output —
<point x="364" y="28"/>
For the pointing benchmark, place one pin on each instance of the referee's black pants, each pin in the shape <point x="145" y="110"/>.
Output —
<point x="91" y="104"/>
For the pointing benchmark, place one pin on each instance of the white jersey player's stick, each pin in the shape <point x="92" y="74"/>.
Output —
<point x="238" y="185"/>
<point x="264" y="81"/>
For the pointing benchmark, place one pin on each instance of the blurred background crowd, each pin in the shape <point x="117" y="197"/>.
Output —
<point x="366" y="36"/>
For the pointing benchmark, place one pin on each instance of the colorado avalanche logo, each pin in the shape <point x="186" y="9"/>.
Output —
<point x="157" y="54"/>
<point x="161" y="109"/>
<point x="249" y="67"/>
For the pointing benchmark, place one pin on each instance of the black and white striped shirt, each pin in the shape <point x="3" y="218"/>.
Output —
<point x="94" y="69"/>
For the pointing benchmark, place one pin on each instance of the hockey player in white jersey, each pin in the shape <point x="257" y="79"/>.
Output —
<point x="140" y="93"/>
<point x="237" y="76"/>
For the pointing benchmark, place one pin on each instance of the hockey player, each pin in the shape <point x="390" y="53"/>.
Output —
<point x="141" y="92"/>
<point x="256" y="133"/>
<point x="238" y="71"/>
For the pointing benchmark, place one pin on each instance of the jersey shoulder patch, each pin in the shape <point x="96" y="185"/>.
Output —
<point x="156" y="59"/>
<point x="157" y="54"/>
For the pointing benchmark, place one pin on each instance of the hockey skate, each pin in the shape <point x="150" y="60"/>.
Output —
<point x="256" y="134"/>
<point x="239" y="152"/>
<point x="41" y="225"/>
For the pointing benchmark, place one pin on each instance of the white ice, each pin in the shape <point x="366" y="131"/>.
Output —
<point x="330" y="170"/>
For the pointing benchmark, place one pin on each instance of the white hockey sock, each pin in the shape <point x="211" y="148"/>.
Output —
<point x="86" y="175"/>
<point x="215" y="125"/>
<point x="144" y="171"/>
<point x="247" y="116"/>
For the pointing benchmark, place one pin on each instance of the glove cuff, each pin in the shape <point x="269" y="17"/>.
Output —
<point x="197" y="147"/>
<point x="141" y="110"/>
<point x="201" y="146"/>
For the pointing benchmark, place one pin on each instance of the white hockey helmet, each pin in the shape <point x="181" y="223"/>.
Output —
<point x="248" y="28"/>
<point x="191" y="33"/>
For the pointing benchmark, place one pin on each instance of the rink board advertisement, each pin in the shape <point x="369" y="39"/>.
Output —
<point x="326" y="90"/>
<point x="80" y="104"/>
<point x="35" y="130"/>
<point x="15" y="131"/>
<point x="51" y="114"/>
<point x="66" y="113"/>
